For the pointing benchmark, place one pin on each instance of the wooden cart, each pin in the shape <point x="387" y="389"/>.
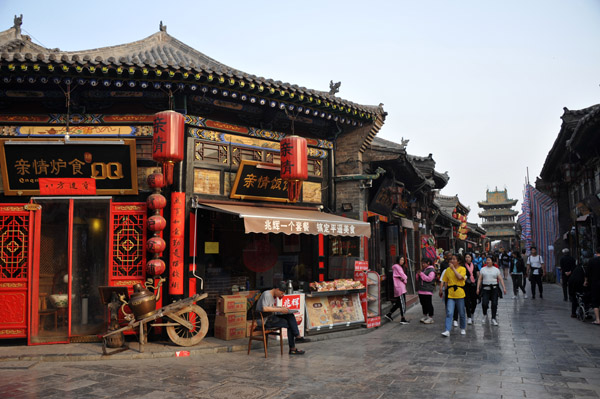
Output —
<point x="186" y="324"/>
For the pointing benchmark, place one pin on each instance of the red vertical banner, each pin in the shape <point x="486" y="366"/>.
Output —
<point x="176" y="248"/>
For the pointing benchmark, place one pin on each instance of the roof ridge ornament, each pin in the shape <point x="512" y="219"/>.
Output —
<point x="162" y="28"/>
<point x="334" y="87"/>
<point x="18" y="21"/>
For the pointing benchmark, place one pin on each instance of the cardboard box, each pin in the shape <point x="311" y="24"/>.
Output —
<point x="231" y="319"/>
<point x="231" y="304"/>
<point x="230" y="326"/>
<point x="229" y="333"/>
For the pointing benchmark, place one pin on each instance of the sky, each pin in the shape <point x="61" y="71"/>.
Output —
<point x="479" y="84"/>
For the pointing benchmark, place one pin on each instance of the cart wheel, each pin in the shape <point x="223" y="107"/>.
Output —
<point x="580" y="312"/>
<point x="181" y="336"/>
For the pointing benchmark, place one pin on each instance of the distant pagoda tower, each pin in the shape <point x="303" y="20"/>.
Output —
<point x="499" y="217"/>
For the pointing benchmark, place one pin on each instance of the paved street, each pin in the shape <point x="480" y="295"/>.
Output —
<point x="538" y="351"/>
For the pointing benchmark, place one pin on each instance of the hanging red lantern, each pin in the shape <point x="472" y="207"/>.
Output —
<point x="156" y="180"/>
<point x="156" y="223"/>
<point x="156" y="201"/>
<point x="155" y="267"/>
<point x="168" y="140"/>
<point x="156" y="245"/>
<point x="294" y="164"/>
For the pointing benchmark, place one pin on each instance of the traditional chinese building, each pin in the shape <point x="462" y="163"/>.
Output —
<point x="401" y="206"/>
<point x="499" y="217"/>
<point x="571" y="177"/>
<point x="451" y="227"/>
<point x="76" y="150"/>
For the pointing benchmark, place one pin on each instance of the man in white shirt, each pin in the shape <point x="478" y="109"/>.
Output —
<point x="536" y="271"/>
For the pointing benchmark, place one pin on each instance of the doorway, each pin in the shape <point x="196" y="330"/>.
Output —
<point x="72" y="265"/>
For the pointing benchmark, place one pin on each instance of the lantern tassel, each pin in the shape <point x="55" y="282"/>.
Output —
<point x="294" y="189"/>
<point x="168" y="172"/>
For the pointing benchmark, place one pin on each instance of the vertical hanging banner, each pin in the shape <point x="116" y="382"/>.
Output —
<point x="177" y="240"/>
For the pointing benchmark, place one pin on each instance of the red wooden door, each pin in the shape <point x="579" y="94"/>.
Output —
<point x="16" y="260"/>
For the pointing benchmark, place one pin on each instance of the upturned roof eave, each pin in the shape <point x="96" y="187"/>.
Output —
<point x="101" y="58"/>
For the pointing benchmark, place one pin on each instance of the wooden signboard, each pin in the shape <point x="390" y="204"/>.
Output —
<point x="260" y="181"/>
<point x="49" y="167"/>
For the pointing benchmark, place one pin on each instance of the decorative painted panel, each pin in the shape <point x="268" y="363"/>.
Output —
<point x="207" y="181"/>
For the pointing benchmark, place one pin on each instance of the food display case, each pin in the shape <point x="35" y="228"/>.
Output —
<point x="370" y="299"/>
<point x="334" y="305"/>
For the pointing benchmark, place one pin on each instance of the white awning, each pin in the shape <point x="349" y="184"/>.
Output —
<point x="264" y="219"/>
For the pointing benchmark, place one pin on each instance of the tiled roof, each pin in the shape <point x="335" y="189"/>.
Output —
<point x="162" y="54"/>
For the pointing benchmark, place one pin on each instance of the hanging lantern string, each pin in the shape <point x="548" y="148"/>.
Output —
<point x="67" y="94"/>
<point x="292" y="116"/>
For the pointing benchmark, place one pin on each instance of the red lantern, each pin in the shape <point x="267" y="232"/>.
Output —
<point x="294" y="164"/>
<point x="155" y="267"/>
<point x="156" y="223"/>
<point x="168" y="140"/>
<point x="156" y="245"/>
<point x="156" y="201"/>
<point x="156" y="180"/>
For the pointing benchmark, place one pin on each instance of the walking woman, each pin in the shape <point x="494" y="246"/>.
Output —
<point x="517" y="269"/>
<point x="470" y="288"/>
<point x="487" y="284"/>
<point x="454" y="277"/>
<point x="425" y="286"/>
<point x="400" y="280"/>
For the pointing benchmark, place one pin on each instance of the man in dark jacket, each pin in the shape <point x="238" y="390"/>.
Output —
<point x="567" y="265"/>
<point x="577" y="280"/>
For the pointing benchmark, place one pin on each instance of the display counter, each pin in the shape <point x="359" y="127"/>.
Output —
<point x="333" y="310"/>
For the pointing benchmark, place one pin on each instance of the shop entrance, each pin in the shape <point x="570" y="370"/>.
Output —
<point x="73" y="252"/>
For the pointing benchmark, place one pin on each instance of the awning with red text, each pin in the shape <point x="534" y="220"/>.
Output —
<point x="264" y="219"/>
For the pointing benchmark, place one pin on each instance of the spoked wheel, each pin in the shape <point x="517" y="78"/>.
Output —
<point x="580" y="312"/>
<point x="181" y="335"/>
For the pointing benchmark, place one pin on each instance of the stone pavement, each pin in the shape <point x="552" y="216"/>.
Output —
<point x="537" y="351"/>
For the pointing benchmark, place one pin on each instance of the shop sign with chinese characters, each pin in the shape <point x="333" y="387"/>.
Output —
<point x="73" y="168"/>
<point x="257" y="180"/>
<point x="294" y="302"/>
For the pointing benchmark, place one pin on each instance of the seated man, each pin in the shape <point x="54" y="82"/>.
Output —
<point x="279" y="316"/>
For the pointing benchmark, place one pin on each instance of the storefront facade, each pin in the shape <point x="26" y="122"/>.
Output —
<point x="77" y="150"/>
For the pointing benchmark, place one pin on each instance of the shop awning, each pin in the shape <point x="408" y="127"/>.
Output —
<point x="263" y="219"/>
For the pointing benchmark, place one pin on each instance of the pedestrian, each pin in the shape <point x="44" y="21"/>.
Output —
<point x="455" y="281"/>
<point x="504" y="262"/>
<point x="400" y="279"/>
<point x="425" y="287"/>
<point x="577" y="285"/>
<point x="478" y="260"/>
<point x="444" y="295"/>
<point x="536" y="272"/>
<point x="593" y="281"/>
<point x="470" y="288"/>
<point x="444" y="264"/>
<point x="490" y="278"/>
<point x="524" y="256"/>
<point x="567" y="265"/>
<point x="517" y="269"/>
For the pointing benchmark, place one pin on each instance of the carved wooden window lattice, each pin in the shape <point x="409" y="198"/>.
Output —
<point x="211" y="152"/>
<point x="128" y="244"/>
<point x="14" y="245"/>
<point x="238" y="154"/>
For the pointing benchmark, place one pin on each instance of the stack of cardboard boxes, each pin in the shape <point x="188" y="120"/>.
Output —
<point x="230" y="322"/>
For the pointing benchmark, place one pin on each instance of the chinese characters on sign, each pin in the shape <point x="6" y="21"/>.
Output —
<point x="51" y="186"/>
<point x="32" y="168"/>
<point x="176" y="242"/>
<point x="290" y="226"/>
<point x="257" y="180"/>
